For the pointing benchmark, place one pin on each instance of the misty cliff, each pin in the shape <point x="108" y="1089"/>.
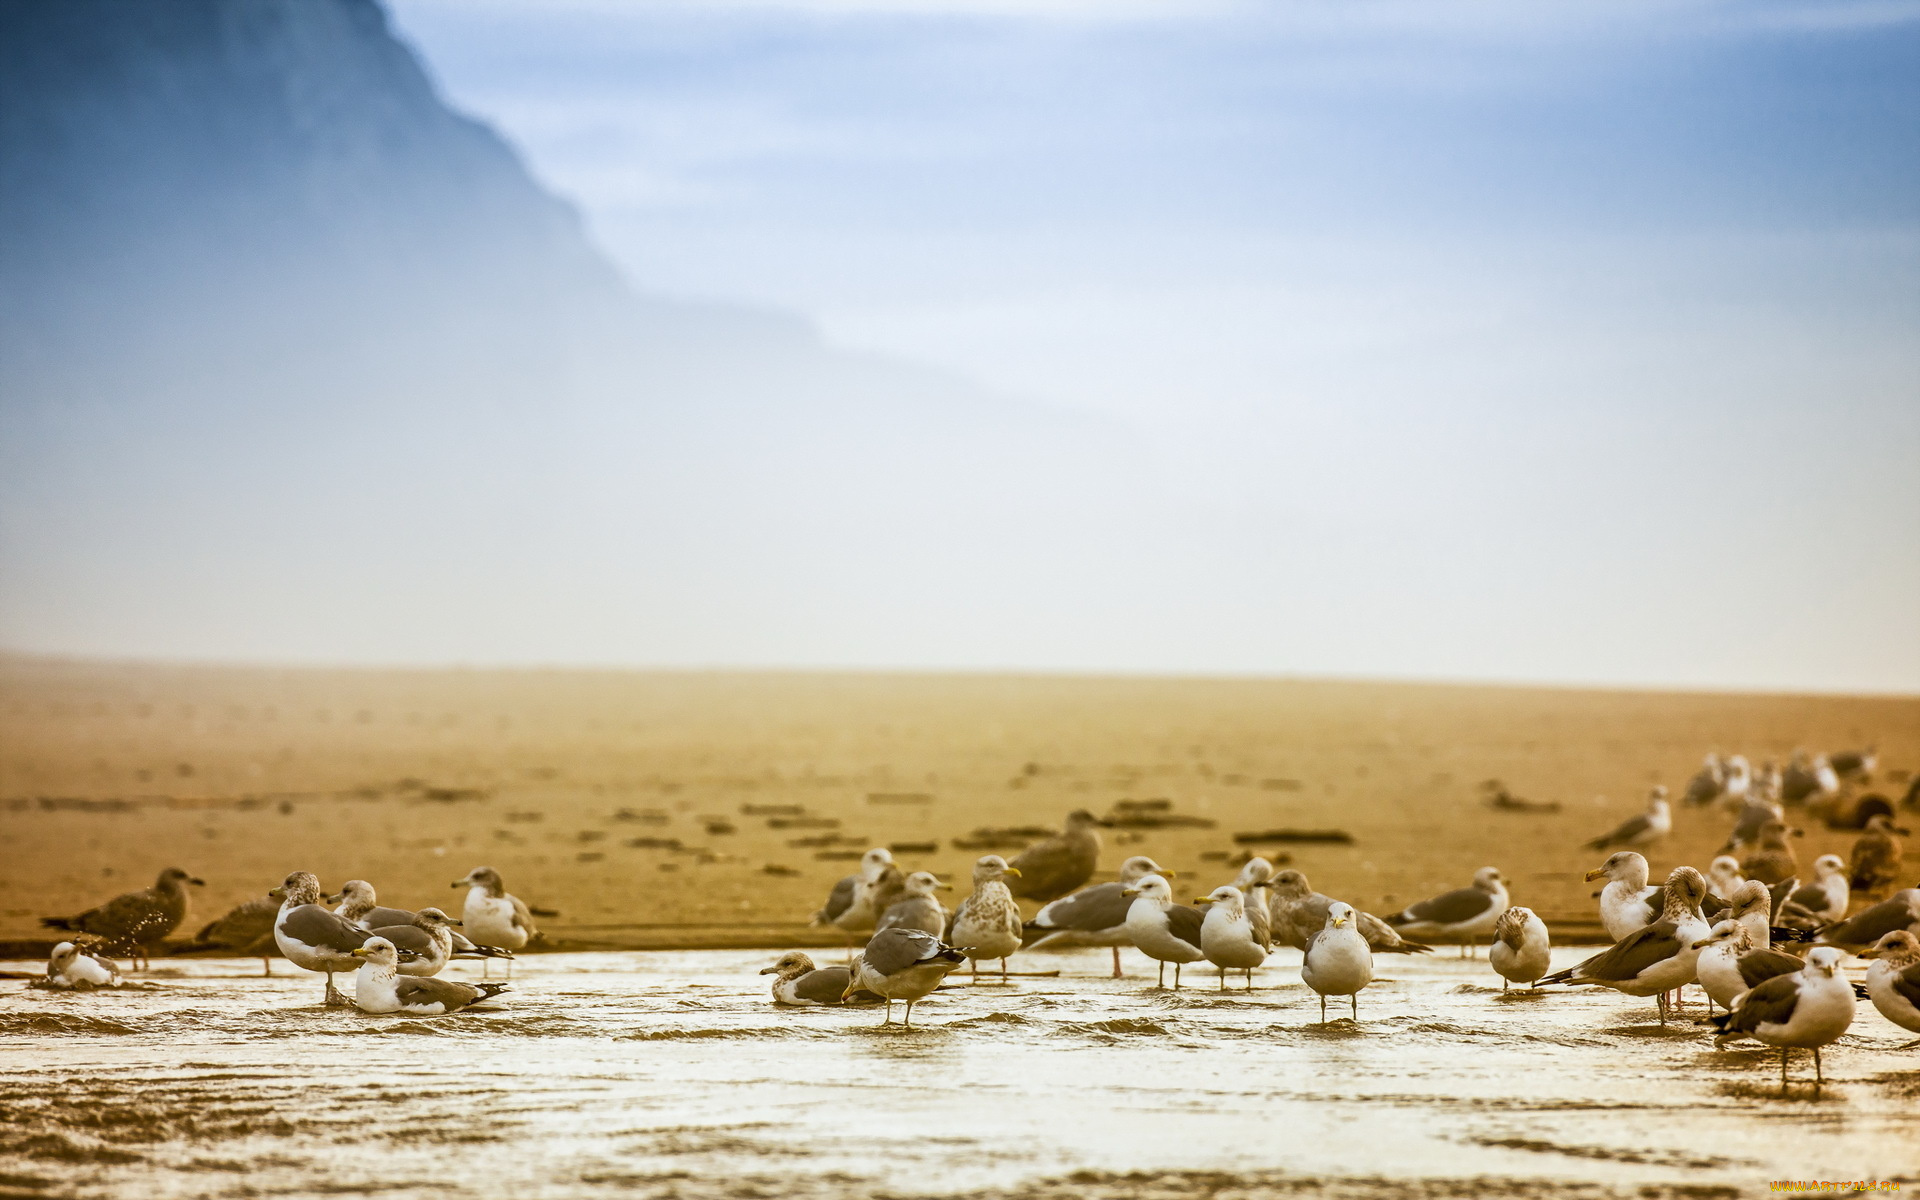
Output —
<point x="295" y="361"/>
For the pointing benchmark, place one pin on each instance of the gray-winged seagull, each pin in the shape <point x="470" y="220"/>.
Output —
<point x="382" y="989"/>
<point x="902" y="964"/>
<point x="1806" y="1010"/>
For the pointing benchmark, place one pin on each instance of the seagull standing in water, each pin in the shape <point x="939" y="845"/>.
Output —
<point x="1655" y="960"/>
<point x="857" y="902"/>
<point x="1338" y="961"/>
<point x="1805" y="1010"/>
<point x="1226" y="935"/>
<point x="918" y="908"/>
<point x="135" y="920"/>
<point x="1625" y="903"/>
<point x="1299" y="912"/>
<point x="1731" y="963"/>
<point x="1092" y="916"/>
<point x="316" y="938"/>
<point x="1050" y="869"/>
<point x="1164" y="931"/>
<point x="902" y="964"/>
<point x="987" y="923"/>
<point x="1464" y="915"/>
<point x="1520" y="951"/>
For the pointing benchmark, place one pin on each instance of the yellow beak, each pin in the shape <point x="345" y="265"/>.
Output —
<point x="1596" y="873"/>
<point x="358" y="952"/>
<point x="1013" y="870"/>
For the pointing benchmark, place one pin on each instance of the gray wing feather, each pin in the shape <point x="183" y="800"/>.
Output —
<point x="1771" y="1004"/>
<point x="824" y="986"/>
<point x="521" y="916"/>
<point x="406" y="937"/>
<point x="1088" y="910"/>
<point x="1633" y="954"/>
<point x="894" y="950"/>
<point x="417" y="989"/>
<point x="312" y="925"/>
<point x="841" y="898"/>
<point x="1907" y="983"/>
<point x="1758" y="966"/>
<point x="1184" y="923"/>
<point x="1451" y="908"/>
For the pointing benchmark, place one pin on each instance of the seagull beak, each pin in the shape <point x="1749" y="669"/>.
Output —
<point x="945" y="887"/>
<point x="1165" y="874"/>
<point x="358" y="952"/>
<point x="1129" y="891"/>
<point x="1203" y="899"/>
<point x="456" y="924"/>
<point x="278" y="893"/>
<point x="459" y="883"/>
<point x="1337" y="922"/>
<point x="197" y="882"/>
<point x="1596" y="873"/>
<point x="770" y="971"/>
<point x="1869" y="952"/>
<point x="1703" y="943"/>
<point x="1012" y="871"/>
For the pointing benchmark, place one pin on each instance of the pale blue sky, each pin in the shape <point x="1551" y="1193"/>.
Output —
<point x="1573" y="342"/>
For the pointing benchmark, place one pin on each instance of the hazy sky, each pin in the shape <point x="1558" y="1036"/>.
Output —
<point x="1501" y="340"/>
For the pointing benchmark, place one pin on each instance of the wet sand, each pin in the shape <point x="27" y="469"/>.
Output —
<point x="670" y="1074"/>
<point x="660" y="809"/>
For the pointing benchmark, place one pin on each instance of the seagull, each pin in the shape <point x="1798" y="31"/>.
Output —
<point x="1848" y="763"/>
<point x="1092" y="916"/>
<point x="71" y="969"/>
<point x="1049" y="870"/>
<point x="1807" y="1009"/>
<point x="1723" y="876"/>
<point x="1643" y="830"/>
<point x="1299" y="912"/>
<point x="798" y="982"/>
<point x="1874" y="862"/>
<point x="1898" y="911"/>
<point x="987" y="923"/>
<point x="1254" y="880"/>
<point x="1337" y="962"/>
<point x="382" y="989"/>
<point x="135" y="920"/>
<point x="917" y="907"/>
<point x="902" y="964"/>
<point x="1164" y="931"/>
<point x="1806" y="778"/>
<point x="314" y="938"/>
<point x="1750" y="825"/>
<point x="1626" y="903"/>
<point x="1822" y="902"/>
<point x="1463" y="915"/>
<point x="1893" y="981"/>
<point x="1752" y="907"/>
<point x="246" y="929"/>
<point x="493" y="916"/>
<point x="857" y="902"/>
<point x="1520" y="950"/>
<point x="427" y="940"/>
<point x="357" y="902"/>
<point x="1739" y="778"/>
<point x="1775" y="860"/>
<point x="1731" y="962"/>
<point x="1708" y="782"/>
<point x="1226" y="934"/>
<point x="1657" y="959"/>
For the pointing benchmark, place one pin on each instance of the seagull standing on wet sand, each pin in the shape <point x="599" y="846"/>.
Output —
<point x="315" y="938"/>
<point x="71" y="969"/>
<point x="382" y="989"/>
<point x="1898" y="911"/>
<point x="1162" y="930"/>
<point x="1521" y="951"/>
<point x="1254" y="881"/>
<point x="797" y="982"/>
<point x="1805" y="1010"/>
<point x="902" y="964"/>
<point x="493" y="916"/>
<point x="1050" y="869"/>
<point x="1226" y="935"/>
<point x="1299" y="912"/>
<point x="246" y="929"/>
<point x="1893" y="981"/>
<point x="918" y="908"/>
<point x="1337" y="962"/>
<point x="359" y="903"/>
<point x="1874" y="861"/>
<point x="1643" y="830"/>
<point x="1464" y="915"/>
<point x="987" y="923"/>
<point x="1708" y="782"/>
<point x="1821" y="902"/>
<point x="1655" y="960"/>
<point x="1092" y="916"/>
<point x="135" y="920"/>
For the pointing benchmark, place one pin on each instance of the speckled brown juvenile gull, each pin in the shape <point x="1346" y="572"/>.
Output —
<point x="246" y="929"/>
<point x="1050" y="869"/>
<point x="987" y="923"/>
<point x="132" y="922"/>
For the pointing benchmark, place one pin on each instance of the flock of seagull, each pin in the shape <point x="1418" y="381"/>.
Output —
<point x="1723" y="929"/>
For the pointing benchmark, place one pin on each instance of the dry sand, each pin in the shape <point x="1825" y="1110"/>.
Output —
<point x="656" y="809"/>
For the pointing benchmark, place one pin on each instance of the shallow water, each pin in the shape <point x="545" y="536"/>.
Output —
<point x="672" y="1074"/>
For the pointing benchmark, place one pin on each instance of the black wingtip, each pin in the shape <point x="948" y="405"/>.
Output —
<point x="57" y="922"/>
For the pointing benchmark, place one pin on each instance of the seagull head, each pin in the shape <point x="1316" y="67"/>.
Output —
<point x="1291" y="885"/>
<point x="1725" y="931"/>
<point x="923" y="883"/>
<point x="1339" y="914"/>
<point x="1899" y="948"/>
<point x="791" y="963"/>
<point x="378" y="951"/>
<point x="1750" y="897"/>
<point x="482" y="877"/>
<point x="1487" y="879"/>
<point x="1828" y="864"/>
<point x="1080" y="819"/>
<point x="1228" y="898"/>
<point x="301" y="887"/>
<point x="433" y="916"/>
<point x="1139" y="866"/>
<point x="990" y="867"/>
<point x="1623" y="866"/>
<point x="1255" y="872"/>
<point x="173" y="877"/>
<point x="356" y="892"/>
<point x="1823" y="960"/>
<point x="62" y="954"/>
<point x="1150" y="887"/>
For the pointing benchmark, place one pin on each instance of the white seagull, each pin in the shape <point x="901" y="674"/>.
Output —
<point x="1094" y="915"/>
<point x="382" y="989"/>
<point x="1643" y="830"/>
<point x="1226" y="935"/>
<point x="1520" y="950"/>
<point x="1655" y="960"/>
<point x="69" y="968"/>
<point x="1464" y="915"/>
<point x="493" y="916"/>
<point x="1807" y="1009"/>
<point x="1164" y="931"/>
<point x="1338" y="961"/>
<point x="1893" y="981"/>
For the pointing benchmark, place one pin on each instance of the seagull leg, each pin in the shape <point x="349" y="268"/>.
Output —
<point x="1783" y="1070"/>
<point x="1249" y="978"/>
<point x="1355" y="998"/>
<point x="1223" y="979"/>
<point x="1163" y="973"/>
<point x="486" y="967"/>
<point x="1176" y="977"/>
<point x="1116" y="962"/>
<point x="1819" y="1076"/>
<point x="976" y="969"/>
<point x="889" y="1019"/>
<point x="266" y="966"/>
<point x="908" y="1023"/>
<point x="1003" y="970"/>
<point x="1323" y="1008"/>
